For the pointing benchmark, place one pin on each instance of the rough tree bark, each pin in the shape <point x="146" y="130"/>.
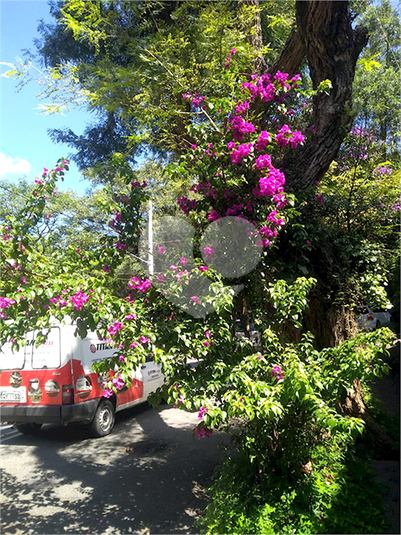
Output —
<point x="254" y="33"/>
<point x="291" y="56"/>
<point x="354" y="405"/>
<point x="324" y="33"/>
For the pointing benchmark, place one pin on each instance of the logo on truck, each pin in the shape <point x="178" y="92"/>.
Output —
<point x="33" y="341"/>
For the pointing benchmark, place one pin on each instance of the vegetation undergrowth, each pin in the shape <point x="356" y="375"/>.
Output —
<point x="333" y="493"/>
<point x="368" y="448"/>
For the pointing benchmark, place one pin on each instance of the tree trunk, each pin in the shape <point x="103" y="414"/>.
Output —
<point x="324" y="33"/>
<point x="354" y="405"/>
<point x="254" y="35"/>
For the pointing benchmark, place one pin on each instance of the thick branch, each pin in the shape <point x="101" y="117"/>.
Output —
<point x="332" y="48"/>
<point x="291" y="56"/>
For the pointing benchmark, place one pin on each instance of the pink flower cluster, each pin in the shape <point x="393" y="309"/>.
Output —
<point x="242" y="107"/>
<point x="368" y="135"/>
<point x="138" y="284"/>
<point x="260" y="87"/>
<point x="273" y="183"/>
<point x="6" y="302"/>
<point x="285" y="136"/>
<point x="118" y="382"/>
<point x="280" y="200"/>
<point x="202" y="411"/>
<point x="263" y="161"/>
<point x="180" y="397"/>
<point x="208" y="252"/>
<point x="275" y="220"/>
<point x="213" y="216"/>
<point x="240" y="127"/>
<point x="113" y="329"/>
<point x="267" y="89"/>
<point x="263" y="140"/>
<point x="186" y="205"/>
<point x="228" y="61"/>
<point x="268" y="232"/>
<point x="79" y="300"/>
<point x="282" y="78"/>
<point x="59" y="301"/>
<point x="196" y="99"/>
<point x="241" y="152"/>
<point x="209" y="339"/>
<point x="180" y="274"/>
<point x="277" y="371"/>
<point x="201" y="431"/>
<point x="382" y="170"/>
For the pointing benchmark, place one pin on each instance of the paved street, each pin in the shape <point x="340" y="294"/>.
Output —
<point x="148" y="476"/>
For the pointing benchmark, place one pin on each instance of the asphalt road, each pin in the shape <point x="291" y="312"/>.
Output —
<point x="148" y="476"/>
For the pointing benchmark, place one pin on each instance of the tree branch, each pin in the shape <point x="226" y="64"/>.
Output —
<point x="332" y="49"/>
<point x="203" y="111"/>
<point x="291" y="56"/>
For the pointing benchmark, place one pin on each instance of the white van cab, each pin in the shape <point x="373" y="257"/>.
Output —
<point x="55" y="383"/>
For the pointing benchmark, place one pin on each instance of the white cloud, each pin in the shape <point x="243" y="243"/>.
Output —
<point x="13" y="165"/>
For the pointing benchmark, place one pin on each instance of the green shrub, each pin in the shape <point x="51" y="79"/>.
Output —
<point x="337" y="496"/>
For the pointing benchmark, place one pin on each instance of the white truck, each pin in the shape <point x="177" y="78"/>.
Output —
<point x="55" y="383"/>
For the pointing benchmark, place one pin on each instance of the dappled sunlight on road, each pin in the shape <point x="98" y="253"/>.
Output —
<point x="148" y="476"/>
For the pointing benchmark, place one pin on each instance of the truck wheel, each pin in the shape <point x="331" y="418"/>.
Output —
<point x="103" y="421"/>
<point x="29" y="429"/>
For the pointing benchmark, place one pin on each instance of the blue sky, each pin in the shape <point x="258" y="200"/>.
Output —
<point x="25" y="146"/>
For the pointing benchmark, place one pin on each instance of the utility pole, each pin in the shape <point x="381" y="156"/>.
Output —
<point x="150" y="240"/>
